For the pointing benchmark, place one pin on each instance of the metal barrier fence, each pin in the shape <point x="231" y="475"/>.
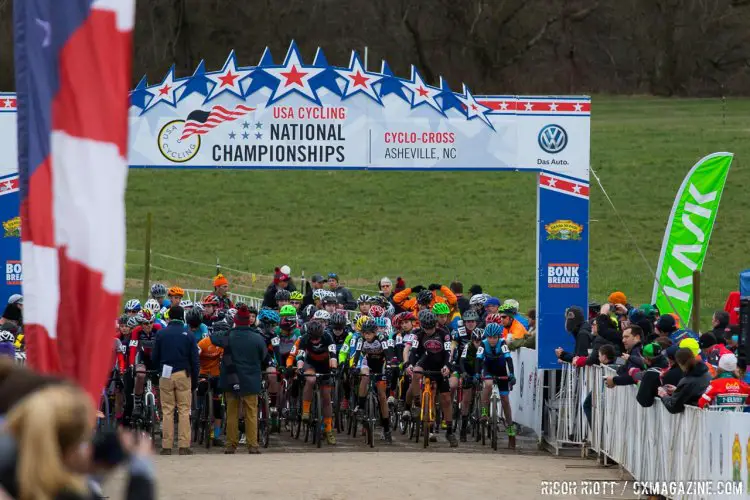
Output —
<point x="700" y="449"/>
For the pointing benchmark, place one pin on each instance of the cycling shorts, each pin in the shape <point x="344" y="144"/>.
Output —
<point x="502" y="385"/>
<point x="442" y="383"/>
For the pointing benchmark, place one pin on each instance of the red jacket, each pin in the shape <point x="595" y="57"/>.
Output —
<point x="727" y="391"/>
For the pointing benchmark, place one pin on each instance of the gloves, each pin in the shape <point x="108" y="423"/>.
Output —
<point x="512" y="379"/>
<point x="434" y="287"/>
<point x="417" y="289"/>
<point x="236" y="387"/>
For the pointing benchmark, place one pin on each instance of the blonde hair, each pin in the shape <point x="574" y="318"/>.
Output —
<point x="46" y="424"/>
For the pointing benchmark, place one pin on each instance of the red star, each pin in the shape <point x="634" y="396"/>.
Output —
<point x="422" y="91"/>
<point x="164" y="90"/>
<point x="359" y="80"/>
<point x="293" y="76"/>
<point x="474" y="107"/>
<point x="228" y="79"/>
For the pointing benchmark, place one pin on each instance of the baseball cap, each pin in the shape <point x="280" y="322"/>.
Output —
<point x="652" y="350"/>
<point x="333" y="276"/>
<point x="707" y="340"/>
<point x="691" y="344"/>
<point x="318" y="278"/>
<point x="16" y="298"/>
<point x="492" y="301"/>
<point x="666" y="323"/>
<point x="728" y="362"/>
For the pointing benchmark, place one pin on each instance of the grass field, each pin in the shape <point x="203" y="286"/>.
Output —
<point x="436" y="227"/>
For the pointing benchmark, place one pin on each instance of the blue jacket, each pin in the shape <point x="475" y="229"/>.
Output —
<point x="176" y="348"/>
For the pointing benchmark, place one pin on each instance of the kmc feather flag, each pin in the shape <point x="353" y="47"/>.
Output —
<point x="688" y="231"/>
<point x="72" y="63"/>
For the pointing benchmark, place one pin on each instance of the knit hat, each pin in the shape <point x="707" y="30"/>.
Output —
<point x="492" y="301"/>
<point x="617" y="298"/>
<point x="475" y="289"/>
<point x="176" y="313"/>
<point x="242" y="317"/>
<point x="16" y="298"/>
<point x="652" y="350"/>
<point x="691" y="344"/>
<point x="400" y="283"/>
<point x="220" y="280"/>
<point x="650" y="311"/>
<point x="12" y="312"/>
<point x="666" y="323"/>
<point x="707" y="340"/>
<point x="279" y="275"/>
<point x="728" y="362"/>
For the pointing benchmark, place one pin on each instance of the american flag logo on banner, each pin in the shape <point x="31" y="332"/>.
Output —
<point x="200" y="122"/>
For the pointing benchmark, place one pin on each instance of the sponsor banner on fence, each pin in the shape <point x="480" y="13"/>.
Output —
<point x="526" y="396"/>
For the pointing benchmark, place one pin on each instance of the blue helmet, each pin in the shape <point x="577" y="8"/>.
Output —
<point x="269" y="316"/>
<point x="493" y="330"/>
<point x="380" y="322"/>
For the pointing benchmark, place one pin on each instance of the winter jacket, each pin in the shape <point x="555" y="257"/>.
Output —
<point x="650" y="381"/>
<point x="689" y="390"/>
<point x="344" y="296"/>
<point x="580" y="329"/>
<point x="672" y="376"/>
<point x="634" y="364"/>
<point x="593" y="357"/>
<point x="726" y="391"/>
<point x="245" y="353"/>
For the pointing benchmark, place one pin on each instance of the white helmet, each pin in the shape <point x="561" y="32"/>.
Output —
<point x="322" y="314"/>
<point x="319" y="294"/>
<point x="512" y="303"/>
<point x="6" y="336"/>
<point x="133" y="305"/>
<point x="186" y="304"/>
<point x="478" y="299"/>
<point x="152" y="305"/>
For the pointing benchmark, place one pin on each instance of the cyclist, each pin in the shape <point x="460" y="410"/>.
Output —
<point x="494" y="358"/>
<point x="7" y="344"/>
<point x="403" y="324"/>
<point x="513" y="303"/>
<point x="289" y="313"/>
<point x="315" y="352"/>
<point x="269" y="320"/>
<point x="469" y="371"/>
<point x="194" y="324"/>
<point x="154" y="306"/>
<point x="283" y="298"/>
<point x="211" y="313"/>
<point x="159" y="294"/>
<point x="174" y="295"/>
<point x="339" y="330"/>
<point x="350" y="343"/>
<point x="364" y="302"/>
<point x="330" y="302"/>
<point x="132" y="307"/>
<point x="512" y="328"/>
<point x="431" y="351"/>
<point x="374" y="352"/>
<point x="210" y="362"/>
<point x="142" y="337"/>
<point x="476" y="302"/>
<point x="296" y="298"/>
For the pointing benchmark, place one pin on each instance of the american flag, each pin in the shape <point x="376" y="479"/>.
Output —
<point x="199" y="121"/>
<point x="72" y="63"/>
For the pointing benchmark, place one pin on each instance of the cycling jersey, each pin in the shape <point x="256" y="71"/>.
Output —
<point x="398" y="346"/>
<point x="468" y="361"/>
<point x="198" y="333"/>
<point x="495" y="361"/>
<point x="514" y="332"/>
<point x="459" y="338"/>
<point x="373" y="354"/>
<point x="430" y="351"/>
<point x="317" y="354"/>
<point x="339" y="340"/>
<point x="137" y="336"/>
<point x="727" y="391"/>
<point x="283" y="343"/>
<point x="210" y="357"/>
<point x="349" y="347"/>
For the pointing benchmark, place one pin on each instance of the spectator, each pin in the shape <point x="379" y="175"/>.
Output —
<point x="651" y="379"/>
<point x="711" y="350"/>
<point x="17" y="299"/>
<point x="601" y="323"/>
<point x="726" y="391"/>
<point x="46" y="452"/>
<point x="617" y="297"/>
<point x="609" y="329"/>
<point x="674" y="374"/>
<point x="245" y="354"/>
<point x="631" y="338"/>
<point x="221" y="289"/>
<point x="11" y="319"/>
<point x="475" y="290"/>
<point x="343" y="295"/>
<point x="175" y="356"/>
<point x="605" y="356"/>
<point x="691" y="387"/>
<point x="529" y="340"/>
<point x="666" y="326"/>
<point x="280" y="282"/>
<point x="580" y="329"/>
<point x="316" y="283"/>
<point x="400" y="285"/>
<point x="17" y="381"/>
<point x="733" y="337"/>
<point x="458" y="290"/>
<point x="720" y="324"/>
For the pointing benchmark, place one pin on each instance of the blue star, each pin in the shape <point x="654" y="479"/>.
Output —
<point x="259" y="78"/>
<point x="198" y="83"/>
<point x="389" y="84"/>
<point x="232" y="135"/>
<point x="140" y="97"/>
<point x="258" y="135"/>
<point x="326" y="79"/>
<point x="245" y="124"/>
<point x="449" y="99"/>
<point x="245" y="135"/>
<point x="258" y="126"/>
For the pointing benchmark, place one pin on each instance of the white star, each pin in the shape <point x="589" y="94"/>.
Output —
<point x="7" y="186"/>
<point x="227" y="80"/>
<point x="576" y="189"/>
<point x="553" y="107"/>
<point x="8" y="102"/>
<point x="578" y="106"/>
<point x="552" y="182"/>
<point x="473" y="108"/>
<point x="166" y="91"/>
<point x="293" y="76"/>
<point x="503" y="106"/>
<point x="529" y="106"/>
<point x="358" y="80"/>
<point x="421" y="92"/>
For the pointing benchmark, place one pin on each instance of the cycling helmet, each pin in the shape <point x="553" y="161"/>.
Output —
<point x="145" y="317"/>
<point x="296" y="296"/>
<point x="440" y="309"/>
<point x="329" y="299"/>
<point x="269" y="316"/>
<point x="471" y="316"/>
<point x="186" y="304"/>
<point x="314" y="329"/>
<point x="479" y="299"/>
<point x="230" y="314"/>
<point x="363" y="299"/>
<point x="322" y="314"/>
<point x="250" y="309"/>
<point x="193" y="318"/>
<point x="287" y="311"/>
<point x="338" y="320"/>
<point x="283" y="295"/>
<point x="221" y="326"/>
<point x="176" y="291"/>
<point x="493" y="330"/>
<point x="512" y="303"/>
<point x="381" y="322"/>
<point x="380" y="300"/>
<point x="361" y="321"/>
<point x="211" y="300"/>
<point x="477" y="334"/>
<point x="507" y="308"/>
<point x="152" y="305"/>
<point x="427" y="319"/>
<point x="6" y="336"/>
<point x="424" y="297"/>
<point x="493" y="318"/>
<point x="122" y="320"/>
<point x="377" y="312"/>
<point x="132" y="322"/>
<point x="158" y="291"/>
<point x="197" y="306"/>
<point x="369" y="326"/>
<point x="133" y="305"/>
<point x="319" y="294"/>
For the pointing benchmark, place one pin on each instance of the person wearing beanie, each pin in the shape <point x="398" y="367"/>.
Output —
<point x="580" y="329"/>
<point x="475" y="290"/>
<point x="726" y="391"/>
<point x="175" y="355"/>
<point x="617" y="298"/>
<point x="691" y="387"/>
<point x="221" y="289"/>
<point x="651" y="379"/>
<point x="245" y="355"/>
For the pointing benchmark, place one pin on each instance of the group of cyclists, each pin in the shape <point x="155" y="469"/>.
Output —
<point x="391" y="341"/>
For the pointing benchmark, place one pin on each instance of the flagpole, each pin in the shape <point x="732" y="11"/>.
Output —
<point x="365" y="57"/>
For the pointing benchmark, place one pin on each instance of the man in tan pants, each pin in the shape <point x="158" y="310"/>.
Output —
<point x="175" y="355"/>
<point x="233" y="402"/>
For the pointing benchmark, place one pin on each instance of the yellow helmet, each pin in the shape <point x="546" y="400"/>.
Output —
<point x="361" y="321"/>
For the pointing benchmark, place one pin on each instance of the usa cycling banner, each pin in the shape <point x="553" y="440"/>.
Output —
<point x="10" y="241"/>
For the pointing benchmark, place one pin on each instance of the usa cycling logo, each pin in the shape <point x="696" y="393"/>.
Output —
<point x="553" y="139"/>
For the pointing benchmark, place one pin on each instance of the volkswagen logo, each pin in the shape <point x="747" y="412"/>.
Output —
<point x="553" y="139"/>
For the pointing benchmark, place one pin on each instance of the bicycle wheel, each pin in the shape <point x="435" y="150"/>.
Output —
<point x="296" y="416"/>
<point x="477" y="416"/>
<point x="493" y="425"/>
<point x="337" y="393"/>
<point x="263" y="422"/>
<point x="317" y="419"/>
<point x="370" y="412"/>
<point x="353" y="421"/>
<point x="152" y="425"/>
<point x="426" y="405"/>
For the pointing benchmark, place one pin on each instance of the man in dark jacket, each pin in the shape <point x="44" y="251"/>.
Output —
<point x="580" y="329"/>
<point x="458" y="289"/>
<point x="343" y="295"/>
<point x="631" y="338"/>
<point x="674" y="374"/>
<point x="650" y="380"/>
<point x="245" y="356"/>
<point x="317" y="282"/>
<point x="692" y="386"/>
<point x="601" y="323"/>
<point x="175" y="355"/>
<point x="720" y="323"/>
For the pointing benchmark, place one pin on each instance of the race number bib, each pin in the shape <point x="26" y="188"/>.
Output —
<point x="466" y="351"/>
<point x="133" y="343"/>
<point x="480" y="352"/>
<point x="447" y="346"/>
<point x="504" y="348"/>
<point x="275" y="341"/>
<point x="332" y="348"/>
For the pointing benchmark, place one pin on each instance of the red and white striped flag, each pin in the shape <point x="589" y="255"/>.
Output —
<point x="72" y="63"/>
<point x="199" y="121"/>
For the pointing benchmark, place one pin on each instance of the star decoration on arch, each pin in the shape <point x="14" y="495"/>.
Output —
<point x="358" y="80"/>
<point x="328" y="78"/>
<point x="140" y="96"/>
<point x="389" y="84"/>
<point x="449" y="99"/>
<point x="474" y="109"/>
<point x="293" y="77"/>
<point x="227" y="79"/>
<point x="166" y="91"/>
<point x="422" y="93"/>
<point x="198" y="83"/>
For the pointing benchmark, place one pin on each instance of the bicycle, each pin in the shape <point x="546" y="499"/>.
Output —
<point x="316" y="426"/>
<point x="371" y="411"/>
<point x="294" y="408"/>
<point x="203" y="414"/>
<point x="149" y="420"/>
<point x="263" y="412"/>
<point x="495" y="411"/>
<point x="341" y="416"/>
<point x="403" y="425"/>
<point x="427" y="411"/>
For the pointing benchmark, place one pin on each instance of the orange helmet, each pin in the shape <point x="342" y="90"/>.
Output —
<point x="176" y="291"/>
<point x="211" y="300"/>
